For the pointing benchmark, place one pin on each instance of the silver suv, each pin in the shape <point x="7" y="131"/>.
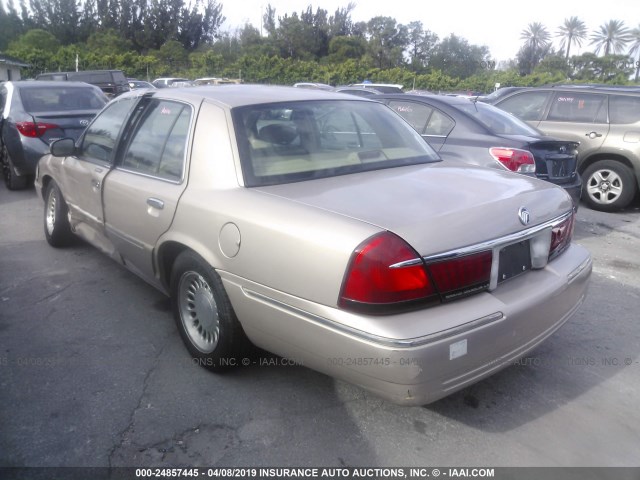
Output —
<point x="606" y="122"/>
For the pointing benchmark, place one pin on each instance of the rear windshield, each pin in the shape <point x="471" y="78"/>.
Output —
<point x="497" y="121"/>
<point x="56" y="99"/>
<point x="289" y="142"/>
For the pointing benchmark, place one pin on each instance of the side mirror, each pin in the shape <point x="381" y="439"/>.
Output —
<point x="63" y="147"/>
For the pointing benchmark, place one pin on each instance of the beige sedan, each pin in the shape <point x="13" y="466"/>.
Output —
<point x="320" y="227"/>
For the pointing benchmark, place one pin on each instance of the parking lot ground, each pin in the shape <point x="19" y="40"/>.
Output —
<point x="93" y="373"/>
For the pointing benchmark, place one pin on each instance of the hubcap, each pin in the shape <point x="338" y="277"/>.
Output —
<point x="604" y="186"/>
<point x="198" y="311"/>
<point x="51" y="210"/>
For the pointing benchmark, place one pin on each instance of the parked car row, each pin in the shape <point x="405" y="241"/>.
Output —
<point x="323" y="228"/>
<point x="603" y="120"/>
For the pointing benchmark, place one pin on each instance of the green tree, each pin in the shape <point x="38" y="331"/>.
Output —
<point x="11" y="25"/>
<point x="572" y="32"/>
<point x="536" y="46"/>
<point x="455" y="57"/>
<point x="37" y="48"/>
<point x="611" y="37"/>
<point x="387" y="41"/>
<point x="61" y="18"/>
<point x="343" y="48"/>
<point x="634" y="49"/>
<point x="421" y="45"/>
<point x="108" y="41"/>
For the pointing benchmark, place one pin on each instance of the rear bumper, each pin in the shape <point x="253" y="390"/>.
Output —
<point x="26" y="154"/>
<point x="484" y="333"/>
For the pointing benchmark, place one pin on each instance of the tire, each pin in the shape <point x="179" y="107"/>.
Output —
<point x="608" y="186"/>
<point x="204" y="315"/>
<point x="11" y="180"/>
<point x="56" y="217"/>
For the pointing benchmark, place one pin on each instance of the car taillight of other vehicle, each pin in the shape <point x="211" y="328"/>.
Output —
<point x="514" y="159"/>
<point x="33" y="129"/>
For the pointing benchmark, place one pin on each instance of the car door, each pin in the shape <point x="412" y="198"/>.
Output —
<point x="82" y="175"/>
<point x="578" y="116"/>
<point x="528" y="106"/>
<point x="142" y="192"/>
<point x="431" y="123"/>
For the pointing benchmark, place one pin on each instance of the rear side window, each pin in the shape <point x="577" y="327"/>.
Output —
<point x="416" y="114"/>
<point x="159" y="144"/>
<point x="439" y="125"/>
<point x="527" y="106"/>
<point x="624" y="109"/>
<point x="424" y="118"/>
<point x="61" y="99"/>
<point x="578" y="107"/>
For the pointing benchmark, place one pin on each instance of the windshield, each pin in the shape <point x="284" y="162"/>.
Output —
<point x="497" y="121"/>
<point x="289" y="142"/>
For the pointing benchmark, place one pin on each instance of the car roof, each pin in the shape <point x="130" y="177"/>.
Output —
<point x="434" y="99"/>
<point x="233" y="96"/>
<point x="50" y="83"/>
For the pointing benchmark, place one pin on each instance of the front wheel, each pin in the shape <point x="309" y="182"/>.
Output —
<point x="56" y="217"/>
<point x="608" y="185"/>
<point x="204" y="315"/>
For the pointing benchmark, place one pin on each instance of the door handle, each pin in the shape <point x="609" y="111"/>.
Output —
<point x="592" y="135"/>
<point x="155" y="203"/>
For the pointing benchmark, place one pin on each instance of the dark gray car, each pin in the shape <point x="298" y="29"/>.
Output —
<point x="481" y="134"/>
<point x="34" y="114"/>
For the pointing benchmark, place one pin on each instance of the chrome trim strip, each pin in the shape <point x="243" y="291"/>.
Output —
<point x="370" y="337"/>
<point x="488" y="245"/>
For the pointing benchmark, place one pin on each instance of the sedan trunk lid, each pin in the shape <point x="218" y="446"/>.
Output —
<point x="435" y="207"/>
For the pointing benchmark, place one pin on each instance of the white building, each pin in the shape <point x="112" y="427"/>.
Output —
<point x="10" y="68"/>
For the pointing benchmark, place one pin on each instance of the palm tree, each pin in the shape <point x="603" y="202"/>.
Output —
<point x="535" y="48"/>
<point x="611" y="37"/>
<point x="635" y="48"/>
<point x="573" y="31"/>
<point x="536" y="36"/>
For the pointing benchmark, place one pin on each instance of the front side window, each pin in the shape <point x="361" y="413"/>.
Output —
<point x="577" y="107"/>
<point x="416" y="114"/>
<point x="288" y="142"/>
<point x="100" y="138"/>
<point x="158" y="145"/>
<point x="528" y="106"/>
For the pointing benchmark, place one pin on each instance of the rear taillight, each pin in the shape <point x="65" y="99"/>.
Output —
<point x="514" y="159"/>
<point x="34" y="130"/>
<point x="561" y="236"/>
<point x="386" y="275"/>
<point x="376" y="276"/>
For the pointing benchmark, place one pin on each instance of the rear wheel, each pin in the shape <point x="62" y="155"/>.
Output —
<point x="56" y="217"/>
<point x="11" y="179"/>
<point x="608" y="185"/>
<point x="203" y="314"/>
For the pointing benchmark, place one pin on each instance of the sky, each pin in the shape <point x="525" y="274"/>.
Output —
<point x="494" y="23"/>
